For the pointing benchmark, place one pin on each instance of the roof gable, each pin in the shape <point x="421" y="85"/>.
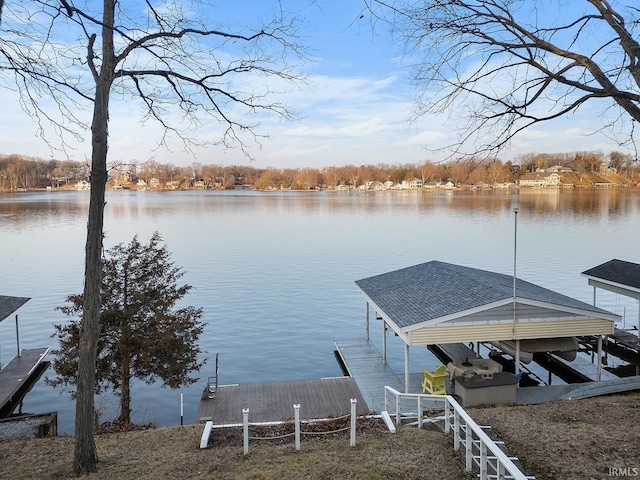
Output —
<point x="437" y="291"/>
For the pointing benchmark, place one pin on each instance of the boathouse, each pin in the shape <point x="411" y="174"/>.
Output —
<point x="440" y="303"/>
<point x="616" y="276"/>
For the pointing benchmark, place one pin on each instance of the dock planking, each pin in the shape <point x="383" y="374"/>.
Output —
<point x="364" y="363"/>
<point x="17" y="372"/>
<point x="273" y="402"/>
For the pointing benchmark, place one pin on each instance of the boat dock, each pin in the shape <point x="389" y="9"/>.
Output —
<point x="16" y="377"/>
<point x="363" y="362"/>
<point x="273" y="402"/>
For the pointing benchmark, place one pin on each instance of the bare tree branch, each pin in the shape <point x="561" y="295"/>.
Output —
<point x="503" y="66"/>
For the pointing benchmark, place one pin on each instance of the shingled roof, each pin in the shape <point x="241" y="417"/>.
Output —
<point x="9" y="305"/>
<point x="439" y="290"/>
<point x="618" y="272"/>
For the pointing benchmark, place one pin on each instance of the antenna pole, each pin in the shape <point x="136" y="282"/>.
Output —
<point x="515" y="246"/>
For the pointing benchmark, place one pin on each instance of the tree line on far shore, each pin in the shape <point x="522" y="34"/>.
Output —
<point x="19" y="172"/>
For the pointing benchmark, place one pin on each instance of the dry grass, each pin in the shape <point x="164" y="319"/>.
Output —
<point x="571" y="440"/>
<point x="173" y="453"/>
<point x="580" y="439"/>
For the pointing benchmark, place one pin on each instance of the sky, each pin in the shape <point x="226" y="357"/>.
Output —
<point x="356" y="108"/>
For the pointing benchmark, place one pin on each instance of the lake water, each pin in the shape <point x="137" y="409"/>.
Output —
<point x="275" y="272"/>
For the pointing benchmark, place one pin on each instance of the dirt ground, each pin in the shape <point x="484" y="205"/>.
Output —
<point x="595" y="438"/>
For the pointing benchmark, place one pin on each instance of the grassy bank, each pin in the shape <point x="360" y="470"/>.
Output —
<point x="564" y="440"/>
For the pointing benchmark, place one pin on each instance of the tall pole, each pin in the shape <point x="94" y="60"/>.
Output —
<point x="515" y="249"/>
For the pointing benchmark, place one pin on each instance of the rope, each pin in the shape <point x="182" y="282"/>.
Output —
<point x="286" y="435"/>
<point x="325" y="433"/>
<point x="273" y="438"/>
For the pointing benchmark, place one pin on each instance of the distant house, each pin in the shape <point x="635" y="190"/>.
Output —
<point x="558" y="169"/>
<point x="83" y="185"/>
<point x="200" y="185"/>
<point x="173" y="184"/>
<point x="539" y="179"/>
<point x="412" y="184"/>
<point x="605" y="170"/>
<point x="154" y="182"/>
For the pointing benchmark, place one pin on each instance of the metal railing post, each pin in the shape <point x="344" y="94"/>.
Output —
<point x="245" y="429"/>
<point x="296" y="409"/>
<point x="456" y="430"/>
<point x="468" y="447"/>
<point x="483" y="461"/>
<point x="352" y="440"/>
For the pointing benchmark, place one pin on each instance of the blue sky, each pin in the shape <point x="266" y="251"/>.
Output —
<point x="355" y="109"/>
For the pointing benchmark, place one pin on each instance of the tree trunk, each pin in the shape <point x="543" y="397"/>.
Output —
<point x="125" y="391"/>
<point x="86" y="456"/>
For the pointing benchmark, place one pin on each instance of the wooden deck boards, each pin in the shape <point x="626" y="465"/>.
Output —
<point x="17" y="372"/>
<point x="364" y="363"/>
<point x="273" y="402"/>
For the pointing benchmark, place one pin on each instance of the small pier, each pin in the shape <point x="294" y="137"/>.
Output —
<point x="273" y="402"/>
<point x="18" y="376"/>
<point x="363" y="362"/>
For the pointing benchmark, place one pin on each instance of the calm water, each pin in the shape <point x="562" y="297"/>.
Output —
<point x="275" y="272"/>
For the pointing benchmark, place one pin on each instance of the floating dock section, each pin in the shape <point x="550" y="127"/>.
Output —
<point x="18" y="376"/>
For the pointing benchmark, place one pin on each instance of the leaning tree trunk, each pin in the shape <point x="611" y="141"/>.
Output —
<point x="86" y="456"/>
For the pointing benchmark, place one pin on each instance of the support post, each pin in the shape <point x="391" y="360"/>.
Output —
<point x="407" y="376"/>
<point x="18" y="337"/>
<point x="181" y="408"/>
<point x="245" y="429"/>
<point x="352" y="439"/>
<point x="366" y="335"/>
<point x="296" y="410"/>
<point x="599" y="370"/>
<point x="384" y="341"/>
<point x="517" y="368"/>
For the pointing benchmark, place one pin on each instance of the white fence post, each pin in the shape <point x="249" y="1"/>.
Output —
<point x="447" y="415"/>
<point x="468" y="446"/>
<point x="245" y="429"/>
<point x="483" y="461"/>
<point x="419" y="412"/>
<point x="296" y="409"/>
<point x="456" y="430"/>
<point x="352" y="439"/>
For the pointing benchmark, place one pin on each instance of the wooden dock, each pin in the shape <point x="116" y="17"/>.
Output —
<point x="273" y="402"/>
<point x="363" y="362"/>
<point x="17" y="375"/>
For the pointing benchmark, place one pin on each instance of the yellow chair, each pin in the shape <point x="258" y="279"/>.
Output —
<point x="434" y="382"/>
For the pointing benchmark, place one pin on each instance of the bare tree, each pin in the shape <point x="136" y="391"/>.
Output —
<point x="173" y="62"/>
<point x="502" y="66"/>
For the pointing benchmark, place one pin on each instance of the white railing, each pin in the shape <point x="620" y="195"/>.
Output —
<point x="297" y="423"/>
<point x="480" y="451"/>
